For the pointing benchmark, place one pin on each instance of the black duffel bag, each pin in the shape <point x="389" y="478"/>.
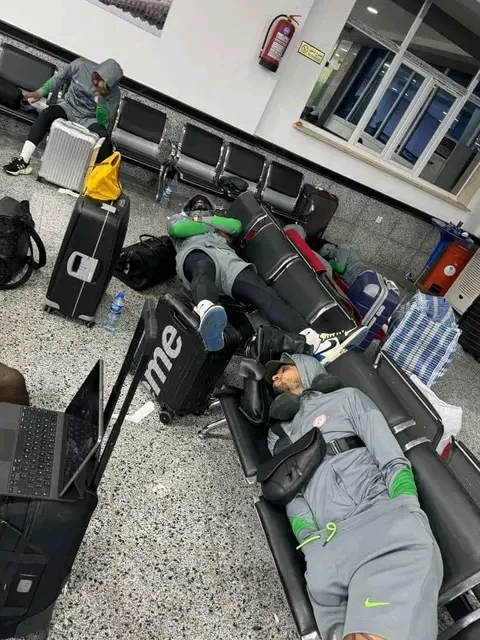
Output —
<point x="146" y="263"/>
<point x="10" y="95"/>
<point x="17" y="237"/>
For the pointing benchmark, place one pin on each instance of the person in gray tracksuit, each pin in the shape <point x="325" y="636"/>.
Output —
<point x="90" y="97"/>
<point x="373" y="565"/>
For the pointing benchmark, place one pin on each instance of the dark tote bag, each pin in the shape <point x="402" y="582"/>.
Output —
<point x="146" y="263"/>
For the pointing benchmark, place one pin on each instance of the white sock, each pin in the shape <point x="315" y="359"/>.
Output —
<point x="202" y="307"/>
<point x="27" y="151"/>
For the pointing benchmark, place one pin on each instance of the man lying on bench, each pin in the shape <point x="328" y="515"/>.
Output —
<point x="374" y="569"/>
<point x="207" y="265"/>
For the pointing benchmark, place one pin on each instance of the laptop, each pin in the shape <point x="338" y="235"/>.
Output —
<point x="42" y="452"/>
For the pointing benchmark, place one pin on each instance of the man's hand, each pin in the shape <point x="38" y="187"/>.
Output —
<point x="32" y="96"/>
<point x="102" y="88"/>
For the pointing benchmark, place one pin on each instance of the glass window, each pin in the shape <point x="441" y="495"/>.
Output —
<point x="394" y="104"/>
<point x="405" y="114"/>
<point x="425" y="125"/>
<point x="457" y="153"/>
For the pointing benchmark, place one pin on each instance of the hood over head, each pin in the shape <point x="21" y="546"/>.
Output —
<point x="308" y="367"/>
<point x="329" y="251"/>
<point x="198" y="202"/>
<point x="110" y="71"/>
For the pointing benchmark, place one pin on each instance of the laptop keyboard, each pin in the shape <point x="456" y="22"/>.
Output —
<point x="33" y="464"/>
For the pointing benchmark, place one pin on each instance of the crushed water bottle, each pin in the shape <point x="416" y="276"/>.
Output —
<point x="115" y="312"/>
<point x="167" y="194"/>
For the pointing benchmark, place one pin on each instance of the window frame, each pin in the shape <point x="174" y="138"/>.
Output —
<point x="432" y="78"/>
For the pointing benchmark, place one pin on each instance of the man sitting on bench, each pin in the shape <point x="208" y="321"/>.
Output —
<point x="91" y="98"/>
<point x="208" y="266"/>
<point x="374" y="569"/>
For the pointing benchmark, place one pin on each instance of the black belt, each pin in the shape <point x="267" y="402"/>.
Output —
<point x="344" y="444"/>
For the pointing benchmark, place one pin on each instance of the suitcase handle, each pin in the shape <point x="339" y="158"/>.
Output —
<point x="181" y="313"/>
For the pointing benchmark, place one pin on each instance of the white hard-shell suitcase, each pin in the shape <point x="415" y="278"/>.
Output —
<point x="71" y="149"/>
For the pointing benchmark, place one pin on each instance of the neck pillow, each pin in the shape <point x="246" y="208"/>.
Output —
<point x="286" y="405"/>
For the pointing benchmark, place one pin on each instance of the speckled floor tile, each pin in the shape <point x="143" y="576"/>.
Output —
<point x="174" y="549"/>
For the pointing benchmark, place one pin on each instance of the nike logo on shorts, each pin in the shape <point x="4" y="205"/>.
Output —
<point x="370" y="605"/>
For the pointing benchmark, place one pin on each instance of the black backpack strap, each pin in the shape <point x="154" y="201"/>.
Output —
<point x="341" y="445"/>
<point x="31" y="264"/>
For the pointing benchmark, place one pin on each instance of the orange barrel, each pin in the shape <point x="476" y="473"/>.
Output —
<point x="449" y="266"/>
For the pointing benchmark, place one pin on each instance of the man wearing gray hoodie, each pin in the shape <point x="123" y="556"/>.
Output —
<point x="90" y="97"/>
<point x="374" y="569"/>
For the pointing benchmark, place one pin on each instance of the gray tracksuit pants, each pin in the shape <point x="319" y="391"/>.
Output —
<point x="379" y="574"/>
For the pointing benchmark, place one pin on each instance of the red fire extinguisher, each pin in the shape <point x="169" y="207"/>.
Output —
<point x="272" y="52"/>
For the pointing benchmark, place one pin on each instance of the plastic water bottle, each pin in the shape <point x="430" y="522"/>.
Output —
<point x="115" y="312"/>
<point x="167" y="194"/>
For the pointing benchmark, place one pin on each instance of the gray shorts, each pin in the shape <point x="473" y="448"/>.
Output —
<point x="381" y="578"/>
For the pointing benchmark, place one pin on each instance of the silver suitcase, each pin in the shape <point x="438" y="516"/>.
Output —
<point x="71" y="149"/>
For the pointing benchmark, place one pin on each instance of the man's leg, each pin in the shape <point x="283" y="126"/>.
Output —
<point x="12" y="386"/>
<point x="106" y="149"/>
<point x="251" y="289"/>
<point x="393" y="594"/>
<point x="38" y="131"/>
<point x="200" y="271"/>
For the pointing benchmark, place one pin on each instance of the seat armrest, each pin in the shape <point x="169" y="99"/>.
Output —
<point x="454" y="519"/>
<point x="429" y="423"/>
<point x="249" y="440"/>
<point x="467" y="628"/>
<point x="466" y="468"/>
<point x="290" y="564"/>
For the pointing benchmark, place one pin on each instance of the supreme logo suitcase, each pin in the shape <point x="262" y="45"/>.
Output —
<point x="71" y="149"/>
<point x="181" y="374"/>
<point x="376" y="298"/>
<point x="90" y="249"/>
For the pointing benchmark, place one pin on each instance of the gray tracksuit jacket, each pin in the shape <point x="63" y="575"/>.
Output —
<point x="347" y="484"/>
<point x="81" y="101"/>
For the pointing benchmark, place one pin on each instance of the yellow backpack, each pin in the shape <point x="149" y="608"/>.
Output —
<point x="102" y="181"/>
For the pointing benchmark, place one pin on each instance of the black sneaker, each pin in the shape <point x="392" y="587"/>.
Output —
<point x="17" y="167"/>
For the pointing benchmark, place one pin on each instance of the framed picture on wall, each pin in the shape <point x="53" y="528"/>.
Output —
<point x="146" y="14"/>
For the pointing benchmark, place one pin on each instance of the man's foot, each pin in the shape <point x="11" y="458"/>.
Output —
<point x="334" y="344"/>
<point x="17" y="167"/>
<point x="213" y="320"/>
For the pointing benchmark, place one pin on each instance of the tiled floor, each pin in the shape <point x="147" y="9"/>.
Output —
<point x="174" y="549"/>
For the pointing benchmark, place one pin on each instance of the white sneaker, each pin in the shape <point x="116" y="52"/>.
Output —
<point x="334" y="345"/>
<point x="213" y="320"/>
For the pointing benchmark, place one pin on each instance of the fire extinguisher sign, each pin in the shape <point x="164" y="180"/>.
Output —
<point x="310" y="52"/>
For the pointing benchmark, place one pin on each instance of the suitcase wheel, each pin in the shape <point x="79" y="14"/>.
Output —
<point x="47" y="309"/>
<point x="90" y="324"/>
<point x="40" y="179"/>
<point x="166" y="417"/>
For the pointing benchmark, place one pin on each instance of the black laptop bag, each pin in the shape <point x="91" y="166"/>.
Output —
<point x="39" y="539"/>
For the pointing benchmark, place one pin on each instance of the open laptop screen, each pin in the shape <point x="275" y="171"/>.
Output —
<point x="83" y="426"/>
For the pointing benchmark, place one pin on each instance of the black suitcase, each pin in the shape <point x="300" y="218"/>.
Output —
<point x="39" y="539"/>
<point x="314" y="210"/>
<point x="470" y="326"/>
<point x="181" y="374"/>
<point x="90" y="249"/>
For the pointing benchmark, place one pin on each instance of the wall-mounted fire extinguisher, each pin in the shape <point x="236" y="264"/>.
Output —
<point x="277" y="40"/>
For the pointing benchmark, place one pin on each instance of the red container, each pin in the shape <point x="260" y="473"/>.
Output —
<point x="449" y="266"/>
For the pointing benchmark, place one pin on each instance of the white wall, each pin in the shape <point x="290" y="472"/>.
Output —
<point x="324" y="24"/>
<point x="206" y="56"/>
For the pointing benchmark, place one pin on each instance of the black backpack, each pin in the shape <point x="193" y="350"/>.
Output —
<point x="17" y="236"/>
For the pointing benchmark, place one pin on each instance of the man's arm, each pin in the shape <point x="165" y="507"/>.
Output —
<point x="186" y="227"/>
<point x="58" y="80"/>
<point x="373" y="429"/>
<point x="106" y="108"/>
